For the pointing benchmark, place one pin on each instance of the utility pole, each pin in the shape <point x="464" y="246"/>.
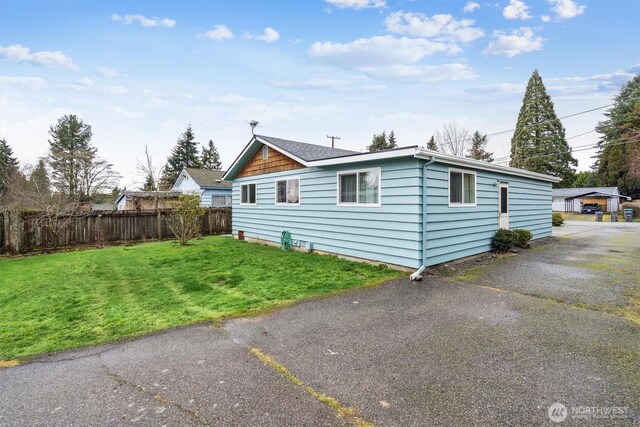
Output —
<point x="333" y="138"/>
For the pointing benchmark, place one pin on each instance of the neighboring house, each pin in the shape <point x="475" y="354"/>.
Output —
<point x="142" y="200"/>
<point x="572" y="199"/>
<point x="410" y="206"/>
<point x="207" y="184"/>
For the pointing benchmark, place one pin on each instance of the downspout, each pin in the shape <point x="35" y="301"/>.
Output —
<point x="418" y="274"/>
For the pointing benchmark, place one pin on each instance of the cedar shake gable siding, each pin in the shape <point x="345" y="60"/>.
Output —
<point x="275" y="162"/>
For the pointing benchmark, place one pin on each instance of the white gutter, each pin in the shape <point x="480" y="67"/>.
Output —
<point x="423" y="153"/>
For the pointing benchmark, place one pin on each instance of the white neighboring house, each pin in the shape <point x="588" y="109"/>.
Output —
<point x="572" y="199"/>
<point x="208" y="184"/>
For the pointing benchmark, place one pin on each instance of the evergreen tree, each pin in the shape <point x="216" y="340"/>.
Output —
<point x="149" y="183"/>
<point x="432" y="145"/>
<point x="585" y="179"/>
<point x="39" y="178"/>
<point x="391" y="142"/>
<point x="210" y="159"/>
<point x="539" y="143"/>
<point x="477" y="150"/>
<point x="383" y="142"/>
<point x="8" y="164"/>
<point x="69" y="149"/>
<point x="620" y="141"/>
<point x="183" y="155"/>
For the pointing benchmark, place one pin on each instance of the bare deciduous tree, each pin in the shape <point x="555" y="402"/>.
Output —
<point x="185" y="219"/>
<point x="152" y="184"/>
<point x="453" y="139"/>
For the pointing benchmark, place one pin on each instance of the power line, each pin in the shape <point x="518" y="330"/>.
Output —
<point x="572" y="148"/>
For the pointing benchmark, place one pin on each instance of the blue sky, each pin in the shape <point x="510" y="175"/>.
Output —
<point x="140" y="72"/>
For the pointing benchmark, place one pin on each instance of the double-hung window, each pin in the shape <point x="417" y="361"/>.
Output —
<point x="248" y="194"/>
<point x="359" y="187"/>
<point x="462" y="188"/>
<point x="288" y="191"/>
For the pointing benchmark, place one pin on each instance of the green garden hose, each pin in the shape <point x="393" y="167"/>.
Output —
<point x="285" y="241"/>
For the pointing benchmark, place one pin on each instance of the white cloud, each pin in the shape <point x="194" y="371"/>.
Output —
<point x="108" y="72"/>
<point x="85" y="81"/>
<point x="144" y="21"/>
<point x="498" y="89"/>
<point x="269" y="35"/>
<point x="19" y="53"/>
<point x="545" y="18"/>
<point x="34" y="83"/>
<point x="411" y="73"/>
<point x="470" y="6"/>
<point x="441" y="27"/>
<point x="516" y="9"/>
<point x="517" y="42"/>
<point x="219" y="32"/>
<point x="327" y="84"/>
<point x="375" y="50"/>
<point x="567" y="9"/>
<point x="357" y="4"/>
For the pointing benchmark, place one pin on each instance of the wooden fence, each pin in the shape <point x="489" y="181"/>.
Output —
<point x="22" y="232"/>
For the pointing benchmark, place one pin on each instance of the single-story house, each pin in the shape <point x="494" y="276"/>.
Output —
<point x="409" y="206"/>
<point x="572" y="199"/>
<point x="207" y="184"/>
<point x="142" y="200"/>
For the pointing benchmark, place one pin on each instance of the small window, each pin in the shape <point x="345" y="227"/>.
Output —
<point x="359" y="187"/>
<point x="220" y="201"/>
<point x="265" y="152"/>
<point x="288" y="191"/>
<point x="248" y="194"/>
<point x="462" y="188"/>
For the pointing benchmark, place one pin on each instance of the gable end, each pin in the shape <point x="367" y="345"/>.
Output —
<point x="275" y="162"/>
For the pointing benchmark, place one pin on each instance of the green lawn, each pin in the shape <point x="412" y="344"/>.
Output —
<point x="64" y="300"/>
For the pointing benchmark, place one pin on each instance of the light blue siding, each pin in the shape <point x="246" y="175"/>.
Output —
<point x="456" y="232"/>
<point x="205" y="198"/>
<point x="389" y="233"/>
<point x="392" y="233"/>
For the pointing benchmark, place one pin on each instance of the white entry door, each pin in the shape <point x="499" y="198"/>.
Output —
<point x="503" y="205"/>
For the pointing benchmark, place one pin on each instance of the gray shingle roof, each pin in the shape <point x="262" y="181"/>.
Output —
<point x="208" y="178"/>
<point x="572" y="192"/>
<point x="307" y="152"/>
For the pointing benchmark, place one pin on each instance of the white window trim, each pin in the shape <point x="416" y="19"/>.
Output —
<point x="275" y="195"/>
<point x="249" y="183"/>
<point x="359" y="205"/>
<point x="225" y="205"/>
<point x="475" y="190"/>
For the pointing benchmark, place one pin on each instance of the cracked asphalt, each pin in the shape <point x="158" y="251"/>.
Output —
<point x="476" y="351"/>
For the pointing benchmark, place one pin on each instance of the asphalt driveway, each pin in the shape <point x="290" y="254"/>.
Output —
<point x="492" y="344"/>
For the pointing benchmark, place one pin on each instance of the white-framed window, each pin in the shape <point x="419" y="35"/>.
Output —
<point x="462" y="188"/>
<point x="218" y="201"/>
<point x="248" y="194"/>
<point x="359" y="187"/>
<point x="265" y="152"/>
<point x="288" y="191"/>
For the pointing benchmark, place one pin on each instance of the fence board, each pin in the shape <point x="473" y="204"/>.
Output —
<point x="99" y="228"/>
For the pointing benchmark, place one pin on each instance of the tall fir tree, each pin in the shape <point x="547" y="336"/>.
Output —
<point x="381" y="141"/>
<point x="210" y="158"/>
<point x="149" y="183"/>
<point x="619" y="143"/>
<point x="431" y="144"/>
<point x="69" y="151"/>
<point x="391" y="142"/>
<point x="539" y="143"/>
<point x="39" y="178"/>
<point x="183" y="155"/>
<point x="8" y="164"/>
<point x="477" y="150"/>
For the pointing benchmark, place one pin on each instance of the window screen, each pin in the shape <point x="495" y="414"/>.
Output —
<point x="455" y="187"/>
<point x="504" y="200"/>
<point x="248" y="194"/>
<point x="288" y="191"/>
<point x="348" y="188"/>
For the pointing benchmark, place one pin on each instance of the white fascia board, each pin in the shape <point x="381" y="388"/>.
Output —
<point x="353" y="158"/>
<point x="422" y="153"/>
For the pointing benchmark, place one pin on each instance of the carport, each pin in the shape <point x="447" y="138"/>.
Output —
<point x="609" y="202"/>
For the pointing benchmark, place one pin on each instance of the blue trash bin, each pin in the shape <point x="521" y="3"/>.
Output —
<point x="628" y="215"/>
<point x="599" y="216"/>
